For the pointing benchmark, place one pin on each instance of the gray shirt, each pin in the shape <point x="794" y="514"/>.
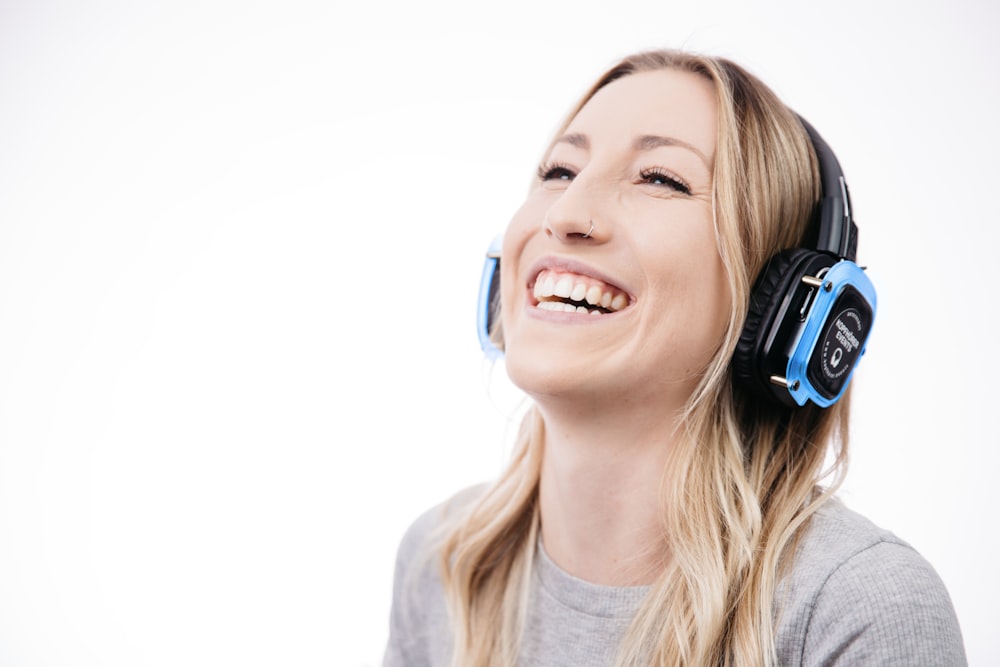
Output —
<point x="856" y="595"/>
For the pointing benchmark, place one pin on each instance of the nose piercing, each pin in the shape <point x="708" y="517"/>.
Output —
<point x="590" y="231"/>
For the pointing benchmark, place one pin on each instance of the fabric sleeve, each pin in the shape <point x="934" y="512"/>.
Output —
<point x="399" y="650"/>
<point x="406" y="625"/>
<point x="885" y="605"/>
<point x="419" y="626"/>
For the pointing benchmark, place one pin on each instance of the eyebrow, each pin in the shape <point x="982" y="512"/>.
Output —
<point x="646" y="142"/>
<point x="575" y="139"/>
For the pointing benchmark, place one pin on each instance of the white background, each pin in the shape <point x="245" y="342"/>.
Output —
<point x="240" y="244"/>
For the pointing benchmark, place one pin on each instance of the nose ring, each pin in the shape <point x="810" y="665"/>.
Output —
<point x="590" y="231"/>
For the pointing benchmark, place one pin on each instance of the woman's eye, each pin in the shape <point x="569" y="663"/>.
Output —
<point x="555" y="172"/>
<point x="659" y="177"/>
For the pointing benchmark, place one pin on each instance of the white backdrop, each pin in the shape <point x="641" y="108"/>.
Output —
<point x="240" y="244"/>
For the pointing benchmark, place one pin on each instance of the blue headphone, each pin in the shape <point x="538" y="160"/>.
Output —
<point x="811" y="309"/>
<point x="489" y="299"/>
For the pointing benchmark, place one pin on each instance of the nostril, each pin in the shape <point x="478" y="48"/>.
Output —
<point x="570" y="230"/>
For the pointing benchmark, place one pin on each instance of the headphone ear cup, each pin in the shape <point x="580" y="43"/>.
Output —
<point x="488" y="308"/>
<point x="760" y="352"/>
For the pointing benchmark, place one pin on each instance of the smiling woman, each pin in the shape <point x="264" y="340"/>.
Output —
<point x="623" y="204"/>
<point x="661" y="508"/>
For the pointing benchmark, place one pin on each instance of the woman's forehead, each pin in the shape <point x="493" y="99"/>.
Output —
<point x="670" y="104"/>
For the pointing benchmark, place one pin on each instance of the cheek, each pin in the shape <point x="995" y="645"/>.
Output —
<point x="519" y="230"/>
<point x="711" y="298"/>
<point x="529" y="217"/>
<point x="689" y="275"/>
<point x="525" y="223"/>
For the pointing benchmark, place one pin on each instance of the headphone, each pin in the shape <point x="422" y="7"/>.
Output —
<point x="489" y="299"/>
<point x="811" y="310"/>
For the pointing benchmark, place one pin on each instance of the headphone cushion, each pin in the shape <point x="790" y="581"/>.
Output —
<point x="781" y="272"/>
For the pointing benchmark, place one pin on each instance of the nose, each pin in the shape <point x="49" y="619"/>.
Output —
<point x="571" y="218"/>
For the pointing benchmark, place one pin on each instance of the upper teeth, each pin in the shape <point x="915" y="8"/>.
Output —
<point x="550" y="284"/>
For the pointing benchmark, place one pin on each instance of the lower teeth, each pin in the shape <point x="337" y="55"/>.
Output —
<point x="559" y="306"/>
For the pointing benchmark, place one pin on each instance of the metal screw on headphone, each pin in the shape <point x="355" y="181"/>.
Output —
<point x="783" y="382"/>
<point x="816" y="282"/>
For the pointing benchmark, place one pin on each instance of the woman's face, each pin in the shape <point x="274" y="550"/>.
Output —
<point x="637" y="308"/>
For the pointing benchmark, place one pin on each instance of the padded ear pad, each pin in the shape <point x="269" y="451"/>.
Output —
<point x="773" y="316"/>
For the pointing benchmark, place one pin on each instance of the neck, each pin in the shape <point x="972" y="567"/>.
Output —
<point x="600" y="498"/>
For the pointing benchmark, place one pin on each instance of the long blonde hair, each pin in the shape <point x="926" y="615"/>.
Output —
<point x="739" y="487"/>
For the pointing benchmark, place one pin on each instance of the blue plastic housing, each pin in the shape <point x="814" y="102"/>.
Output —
<point x="486" y="290"/>
<point x="841" y="275"/>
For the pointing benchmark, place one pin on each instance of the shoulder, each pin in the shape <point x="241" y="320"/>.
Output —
<point x="419" y="634"/>
<point x="857" y="594"/>
<point x="425" y="532"/>
<point x="417" y="558"/>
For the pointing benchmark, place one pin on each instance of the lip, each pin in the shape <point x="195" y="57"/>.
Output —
<point x="572" y="265"/>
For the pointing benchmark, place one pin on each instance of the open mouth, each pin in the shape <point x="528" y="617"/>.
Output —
<point x="566" y="292"/>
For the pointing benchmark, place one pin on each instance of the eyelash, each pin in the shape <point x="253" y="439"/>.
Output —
<point x="555" y="170"/>
<point x="649" y="175"/>
<point x="559" y="171"/>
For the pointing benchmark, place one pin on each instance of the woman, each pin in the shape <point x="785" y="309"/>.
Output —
<point x="656" y="511"/>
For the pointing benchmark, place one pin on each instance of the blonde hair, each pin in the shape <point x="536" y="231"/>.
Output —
<point x="739" y="487"/>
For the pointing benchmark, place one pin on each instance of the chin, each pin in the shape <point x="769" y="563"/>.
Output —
<point x="546" y="373"/>
<point x="550" y="374"/>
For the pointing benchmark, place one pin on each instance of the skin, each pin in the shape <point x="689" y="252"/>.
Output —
<point x="610" y="387"/>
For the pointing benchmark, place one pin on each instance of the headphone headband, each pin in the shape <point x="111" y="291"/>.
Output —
<point x="832" y="229"/>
